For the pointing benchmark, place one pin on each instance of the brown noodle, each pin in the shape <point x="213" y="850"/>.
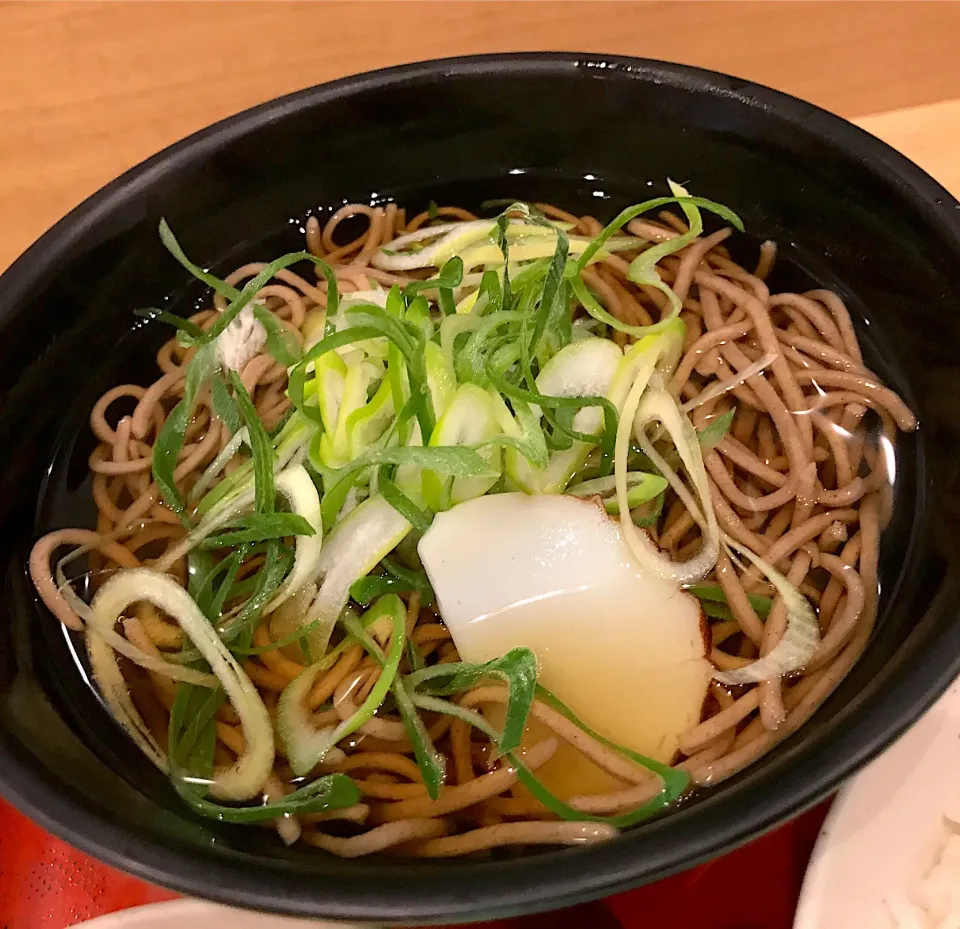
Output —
<point x="800" y="477"/>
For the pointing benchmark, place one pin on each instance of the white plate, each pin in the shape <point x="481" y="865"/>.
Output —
<point x="886" y="828"/>
<point x="196" y="914"/>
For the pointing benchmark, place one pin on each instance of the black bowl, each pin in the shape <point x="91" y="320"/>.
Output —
<point x="584" y="131"/>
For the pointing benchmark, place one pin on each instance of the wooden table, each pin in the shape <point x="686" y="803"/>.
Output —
<point x="89" y="89"/>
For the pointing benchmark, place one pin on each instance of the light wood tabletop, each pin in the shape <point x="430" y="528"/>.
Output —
<point x="89" y="89"/>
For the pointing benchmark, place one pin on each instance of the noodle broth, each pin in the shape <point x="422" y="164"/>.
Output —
<point x="66" y="499"/>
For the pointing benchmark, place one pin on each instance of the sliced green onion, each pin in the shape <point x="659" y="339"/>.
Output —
<point x="468" y="420"/>
<point x="188" y="328"/>
<point x="298" y="374"/>
<point x="643" y="268"/>
<point x="713" y="593"/>
<point x="518" y="669"/>
<point x="431" y="763"/>
<point x="675" y="781"/>
<point x="330" y="792"/>
<point x="173" y="246"/>
<point x="419" y="519"/>
<point x="245" y="779"/>
<point x="226" y="410"/>
<point x="799" y="640"/>
<point x="451" y="461"/>
<point x="280" y="341"/>
<point x="632" y="212"/>
<point x="641" y="488"/>
<point x="643" y="405"/>
<point x="260" y="446"/>
<point x="306" y="746"/>
<point x="299" y="490"/>
<point x="350" y="552"/>
<point x="192" y="730"/>
<point x="169" y="442"/>
<point x="396" y="580"/>
<point x="288" y="447"/>
<point x="258" y="527"/>
<point x="711" y="434"/>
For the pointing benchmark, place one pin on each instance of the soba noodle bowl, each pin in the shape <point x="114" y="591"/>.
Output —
<point x="303" y="514"/>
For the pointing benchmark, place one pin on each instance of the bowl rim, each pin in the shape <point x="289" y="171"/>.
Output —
<point x="514" y="886"/>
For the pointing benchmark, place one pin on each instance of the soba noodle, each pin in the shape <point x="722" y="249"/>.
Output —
<point x="802" y="477"/>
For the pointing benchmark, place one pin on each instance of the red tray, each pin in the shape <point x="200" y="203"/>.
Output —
<point x="46" y="884"/>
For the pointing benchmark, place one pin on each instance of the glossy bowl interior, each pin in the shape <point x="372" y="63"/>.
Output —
<point x="591" y="134"/>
